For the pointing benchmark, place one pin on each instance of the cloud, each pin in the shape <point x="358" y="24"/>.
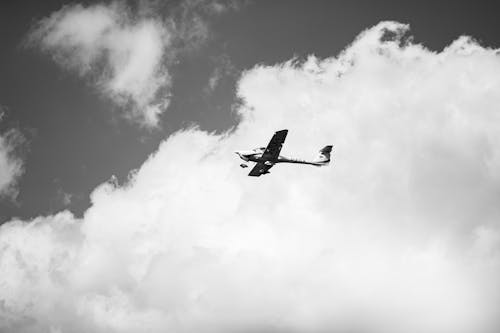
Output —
<point x="126" y="53"/>
<point x="191" y="23"/>
<point x="223" y="68"/>
<point x="400" y="234"/>
<point x="122" y="49"/>
<point x="11" y="166"/>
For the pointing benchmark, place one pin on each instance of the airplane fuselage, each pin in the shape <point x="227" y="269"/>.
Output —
<point x="256" y="155"/>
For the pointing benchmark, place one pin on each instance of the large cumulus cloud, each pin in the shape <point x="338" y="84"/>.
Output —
<point x="400" y="234"/>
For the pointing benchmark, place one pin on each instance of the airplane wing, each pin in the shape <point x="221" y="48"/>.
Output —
<point x="271" y="154"/>
<point x="260" y="169"/>
<point x="274" y="146"/>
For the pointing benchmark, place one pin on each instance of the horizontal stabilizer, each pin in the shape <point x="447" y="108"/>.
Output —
<point x="324" y="155"/>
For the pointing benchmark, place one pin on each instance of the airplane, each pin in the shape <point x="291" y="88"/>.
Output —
<point x="267" y="157"/>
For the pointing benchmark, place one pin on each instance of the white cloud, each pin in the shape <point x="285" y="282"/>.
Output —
<point x="223" y="68"/>
<point x="400" y="234"/>
<point x="124" y="51"/>
<point x="127" y="53"/>
<point x="11" y="166"/>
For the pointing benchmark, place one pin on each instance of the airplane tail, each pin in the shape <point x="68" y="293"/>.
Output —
<point x="324" y="156"/>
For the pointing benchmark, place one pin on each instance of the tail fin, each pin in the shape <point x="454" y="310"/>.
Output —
<point x="324" y="155"/>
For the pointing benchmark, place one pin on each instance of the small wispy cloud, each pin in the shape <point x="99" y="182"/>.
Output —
<point x="126" y="53"/>
<point x="223" y="68"/>
<point x="122" y="50"/>
<point x="11" y="165"/>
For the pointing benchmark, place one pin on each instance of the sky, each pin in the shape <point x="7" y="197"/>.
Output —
<point x="123" y="207"/>
<point x="75" y="135"/>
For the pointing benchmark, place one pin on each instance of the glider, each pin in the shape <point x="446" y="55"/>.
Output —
<point x="267" y="157"/>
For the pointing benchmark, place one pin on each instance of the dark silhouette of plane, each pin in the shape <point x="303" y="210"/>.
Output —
<point x="267" y="157"/>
